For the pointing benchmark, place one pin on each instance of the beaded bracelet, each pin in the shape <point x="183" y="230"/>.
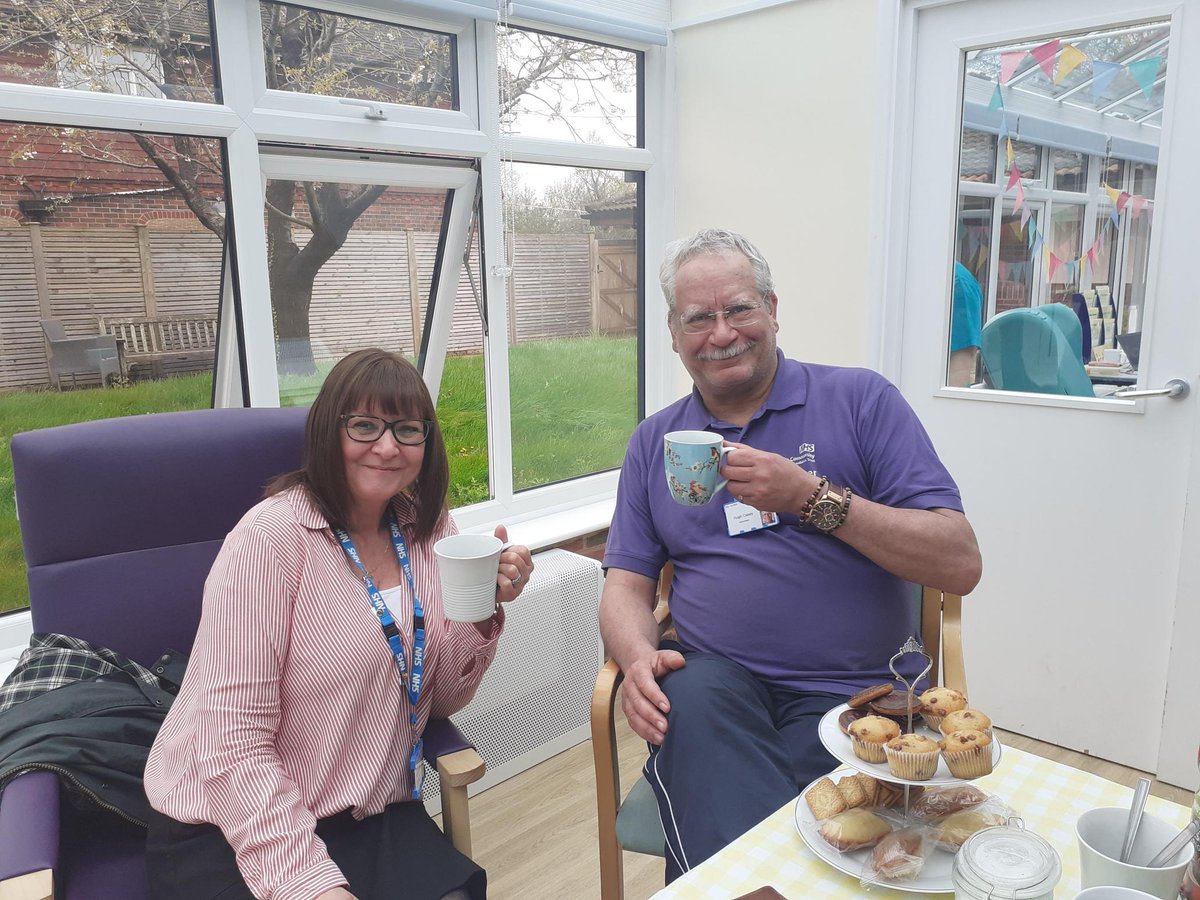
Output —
<point x="806" y="509"/>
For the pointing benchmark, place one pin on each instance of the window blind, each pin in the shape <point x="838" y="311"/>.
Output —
<point x="644" y="21"/>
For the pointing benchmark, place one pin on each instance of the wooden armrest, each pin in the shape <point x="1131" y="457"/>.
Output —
<point x="31" y="886"/>
<point x="456" y="771"/>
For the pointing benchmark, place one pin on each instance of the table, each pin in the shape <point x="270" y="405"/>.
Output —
<point x="1049" y="796"/>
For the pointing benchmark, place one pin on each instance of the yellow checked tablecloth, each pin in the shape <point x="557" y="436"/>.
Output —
<point x="1047" y="795"/>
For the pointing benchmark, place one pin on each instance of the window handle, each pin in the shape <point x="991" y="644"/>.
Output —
<point x="373" y="110"/>
<point x="1176" y="387"/>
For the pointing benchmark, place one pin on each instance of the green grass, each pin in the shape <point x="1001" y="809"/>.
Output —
<point x="573" y="409"/>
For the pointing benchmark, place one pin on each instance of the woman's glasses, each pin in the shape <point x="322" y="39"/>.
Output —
<point x="368" y="429"/>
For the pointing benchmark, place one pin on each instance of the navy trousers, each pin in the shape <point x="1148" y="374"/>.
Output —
<point x="736" y="750"/>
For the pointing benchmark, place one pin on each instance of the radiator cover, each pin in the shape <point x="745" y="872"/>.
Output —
<point x="535" y="700"/>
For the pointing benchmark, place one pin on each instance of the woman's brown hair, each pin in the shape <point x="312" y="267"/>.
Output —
<point x="363" y="380"/>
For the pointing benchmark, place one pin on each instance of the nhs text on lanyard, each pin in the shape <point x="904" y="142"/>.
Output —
<point x="412" y="681"/>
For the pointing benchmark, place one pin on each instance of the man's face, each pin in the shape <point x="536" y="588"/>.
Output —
<point x="727" y="360"/>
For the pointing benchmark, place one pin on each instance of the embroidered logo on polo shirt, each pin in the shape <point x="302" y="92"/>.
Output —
<point x="807" y="455"/>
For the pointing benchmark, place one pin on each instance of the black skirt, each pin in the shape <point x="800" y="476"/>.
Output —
<point x="399" y="853"/>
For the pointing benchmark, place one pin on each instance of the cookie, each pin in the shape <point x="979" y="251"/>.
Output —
<point x="863" y="697"/>
<point x="849" y="717"/>
<point x="896" y="705"/>
<point x="824" y="799"/>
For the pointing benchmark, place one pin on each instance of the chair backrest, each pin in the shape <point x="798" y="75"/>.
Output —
<point x="1068" y="322"/>
<point x="1023" y="350"/>
<point x="54" y="330"/>
<point x="121" y="518"/>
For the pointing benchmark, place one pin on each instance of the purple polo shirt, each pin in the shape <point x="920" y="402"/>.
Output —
<point x="798" y="608"/>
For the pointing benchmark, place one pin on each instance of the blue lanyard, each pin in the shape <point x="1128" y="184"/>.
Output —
<point x="412" y="681"/>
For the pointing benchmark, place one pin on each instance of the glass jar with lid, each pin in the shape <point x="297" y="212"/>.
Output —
<point x="1006" y="863"/>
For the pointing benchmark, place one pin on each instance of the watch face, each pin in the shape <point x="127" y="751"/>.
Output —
<point x="825" y="514"/>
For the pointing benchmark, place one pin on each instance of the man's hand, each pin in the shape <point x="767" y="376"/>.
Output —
<point x="642" y="701"/>
<point x="767" y="481"/>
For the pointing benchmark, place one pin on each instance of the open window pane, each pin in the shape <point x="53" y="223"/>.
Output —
<point x="110" y="279"/>
<point x="333" y="55"/>
<point x="573" y="320"/>
<point x="161" y="49"/>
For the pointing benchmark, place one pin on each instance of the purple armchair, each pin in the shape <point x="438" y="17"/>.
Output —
<point x="117" y="515"/>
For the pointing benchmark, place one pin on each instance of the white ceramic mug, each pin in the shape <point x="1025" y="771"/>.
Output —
<point x="1112" y="892"/>
<point x="1101" y="833"/>
<point x="692" y="461"/>
<point x="468" y="564"/>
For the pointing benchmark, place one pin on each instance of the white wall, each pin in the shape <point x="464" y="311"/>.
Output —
<point x="775" y="124"/>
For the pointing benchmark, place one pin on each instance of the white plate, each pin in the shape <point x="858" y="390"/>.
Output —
<point x="935" y="878"/>
<point x="839" y="745"/>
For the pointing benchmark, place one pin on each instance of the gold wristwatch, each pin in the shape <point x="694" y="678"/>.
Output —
<point x="830" y="511"/>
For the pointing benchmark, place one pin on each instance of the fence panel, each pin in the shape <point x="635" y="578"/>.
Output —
<point x="23" y="361"/>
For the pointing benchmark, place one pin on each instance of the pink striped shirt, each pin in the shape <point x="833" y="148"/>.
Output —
<point x="292" y="708"/>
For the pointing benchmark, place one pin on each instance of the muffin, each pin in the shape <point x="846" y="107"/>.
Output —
<point x="912" y="756"/>
<point x="869" y="734"/>
<point x="937" y="703"/>
<point x="968" y="754"/>
<point x="965" y="720"/>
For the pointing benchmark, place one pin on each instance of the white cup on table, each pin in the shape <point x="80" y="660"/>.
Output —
<point x="467" y="564"/>
<point x="1101" y="833"/>
<point x="1112" y="892"/>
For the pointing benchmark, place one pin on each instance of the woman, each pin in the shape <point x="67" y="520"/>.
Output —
<point x="286" y="767"/>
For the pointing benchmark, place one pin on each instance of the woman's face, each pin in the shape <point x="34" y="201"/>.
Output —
<point x="377" y="471"/>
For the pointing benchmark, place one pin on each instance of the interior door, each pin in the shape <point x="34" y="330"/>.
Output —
<point x="1079" y="632"/>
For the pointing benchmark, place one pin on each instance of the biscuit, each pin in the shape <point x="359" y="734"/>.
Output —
<point x="865" y="696"/>
<point x="824" y="799"/>
<point x="852" y="792"/>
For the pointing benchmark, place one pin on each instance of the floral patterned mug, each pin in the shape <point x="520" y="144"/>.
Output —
<point x="692" y="460"/>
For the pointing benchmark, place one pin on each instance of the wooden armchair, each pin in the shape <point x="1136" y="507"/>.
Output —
<point x="632" y="823"/>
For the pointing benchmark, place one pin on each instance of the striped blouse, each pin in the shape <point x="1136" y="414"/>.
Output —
<point x="292" y="708"/>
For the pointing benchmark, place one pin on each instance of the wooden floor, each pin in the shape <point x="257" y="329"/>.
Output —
<point x="536" y="833"/>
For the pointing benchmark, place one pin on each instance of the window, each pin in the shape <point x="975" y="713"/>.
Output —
<point x="398" y="191"/>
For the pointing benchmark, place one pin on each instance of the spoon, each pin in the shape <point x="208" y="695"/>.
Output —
<point x="1136" y="807"/>
<point x="1167" y="853"/>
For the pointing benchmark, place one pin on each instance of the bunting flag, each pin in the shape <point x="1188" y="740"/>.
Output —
<point x="1045" y="56"/>
<point x="1010" y="152"/>
<point x="1102" y="75"/>
<point x="1068" y="62"/>
<point x="1138" y="202"/>
<point x="1019" y="201"/>
<point x="1008" y="64"/>
<point x="1053" y="265"/>
<point x="1122" y="200"/>
<point x="1014" y="176"/>
<point x="1037" y="243"/>
<point x="1115" y="218"/>
<point x="1113" y="194"/>
<point x="1144" y="72"/>
<point x="997" y="100"/>
<point x="1026" y="212"/>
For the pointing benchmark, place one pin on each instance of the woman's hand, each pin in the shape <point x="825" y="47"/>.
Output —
<point x="337" y="893"/>
<point x="516" y="565"/>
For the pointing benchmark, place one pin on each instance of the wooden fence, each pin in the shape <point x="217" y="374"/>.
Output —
<point x="372" y="292"/>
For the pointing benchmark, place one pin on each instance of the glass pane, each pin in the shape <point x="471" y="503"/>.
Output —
<point x="573" y="320"/>
<point x="341" y="56"/>
<point x="977" y="161"/>
<point x="1070" y="170"/>
<point x="462" y="401"/>
<point x="109" y="282"/>
<point x="1014" y="270"/>
<point x="969" y="307"/>
<point x="1072" y="236"/>
<point x="351" y="266"/>
<point x="161" y="49"/>
<point x="568" y="90"/>
<point x="1066" y="240"/>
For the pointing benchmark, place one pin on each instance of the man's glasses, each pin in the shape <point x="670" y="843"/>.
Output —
<point x="368" y="429"/>
<point x="738" y="315"/>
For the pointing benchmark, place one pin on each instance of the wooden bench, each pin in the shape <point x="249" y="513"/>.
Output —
<point x="167" y="345"/>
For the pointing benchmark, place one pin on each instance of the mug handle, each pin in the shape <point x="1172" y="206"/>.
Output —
<point x="724" y="481"/>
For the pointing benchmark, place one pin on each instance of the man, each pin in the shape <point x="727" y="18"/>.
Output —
<point x="779" y="623"/>
<point x="966" y="328"/>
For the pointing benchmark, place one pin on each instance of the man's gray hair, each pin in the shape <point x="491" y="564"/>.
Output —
<point x="715" y="241"/>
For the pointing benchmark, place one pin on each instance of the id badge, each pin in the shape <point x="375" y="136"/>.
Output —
<point x="741" y="518"/>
